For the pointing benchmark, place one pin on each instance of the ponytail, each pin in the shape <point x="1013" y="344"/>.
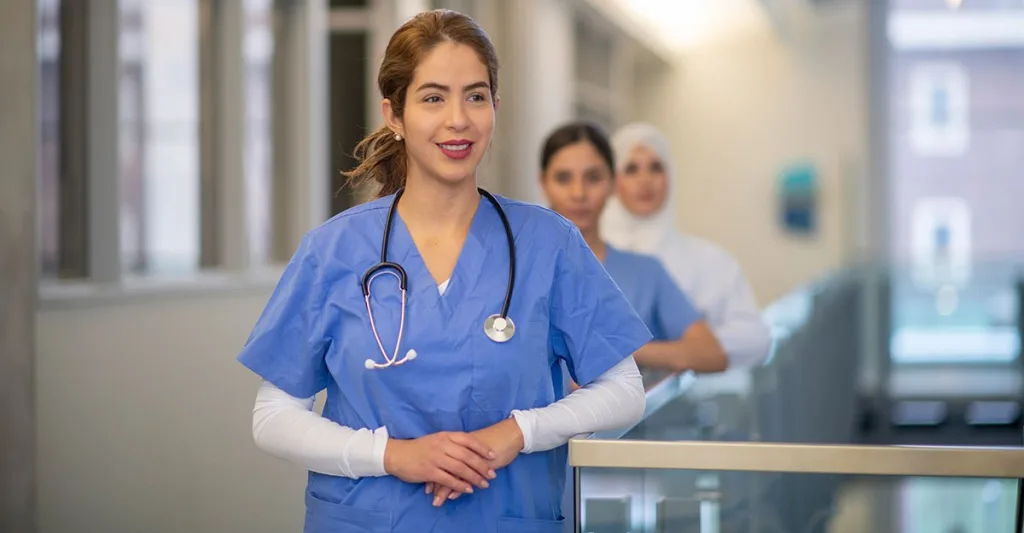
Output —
<point x="381" y="160"/>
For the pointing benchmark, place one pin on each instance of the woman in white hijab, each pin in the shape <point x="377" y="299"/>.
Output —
<point x="640" y="219"/>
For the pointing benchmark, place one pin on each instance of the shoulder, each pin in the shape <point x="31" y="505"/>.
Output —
<point x="640" y="264"/>
<point x="529" y="220"/>
<point x="351" y="222"/>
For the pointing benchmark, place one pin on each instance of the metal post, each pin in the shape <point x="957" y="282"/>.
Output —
<point x="577" y="499"/>
<point x="709" y="496"/>
<point x="1019" y="522"/>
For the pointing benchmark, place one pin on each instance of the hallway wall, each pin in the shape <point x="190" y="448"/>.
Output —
<point x="145" y="420"/>
<point x="737" y="112"/>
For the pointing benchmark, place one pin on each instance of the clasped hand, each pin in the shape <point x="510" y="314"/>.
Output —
<point x="452" y="463"/>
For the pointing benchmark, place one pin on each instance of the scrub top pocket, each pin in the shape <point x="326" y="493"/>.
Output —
<point x="323" y="516"/>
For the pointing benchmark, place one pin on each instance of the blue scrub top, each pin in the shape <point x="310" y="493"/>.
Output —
<point x="664" y="308"/>
<point x="314" y="334"/>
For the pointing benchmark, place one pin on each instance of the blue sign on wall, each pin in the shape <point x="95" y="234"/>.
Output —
<point x="798" y="198"/>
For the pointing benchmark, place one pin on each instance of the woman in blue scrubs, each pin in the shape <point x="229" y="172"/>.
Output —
<point x="443" y="412"/>
<point x="578" y="178"/>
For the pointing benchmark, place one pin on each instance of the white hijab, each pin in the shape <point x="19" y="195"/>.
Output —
<point x="709" y="275"/>
<point x="623" y="229"/>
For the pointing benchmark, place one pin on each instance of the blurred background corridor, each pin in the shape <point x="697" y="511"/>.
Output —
<point x="862" y="160"/>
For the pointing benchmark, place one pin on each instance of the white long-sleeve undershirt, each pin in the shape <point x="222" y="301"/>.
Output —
<point x="288" y="428"/>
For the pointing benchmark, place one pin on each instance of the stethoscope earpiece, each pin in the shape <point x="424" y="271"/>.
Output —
<point x="498" y="328"/>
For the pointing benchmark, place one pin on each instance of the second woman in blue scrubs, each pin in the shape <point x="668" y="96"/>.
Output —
<point x="577" y="177"/>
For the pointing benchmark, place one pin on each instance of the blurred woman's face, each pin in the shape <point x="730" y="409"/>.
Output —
<point x="577" y="183"/>
<point x="642" y="185"/>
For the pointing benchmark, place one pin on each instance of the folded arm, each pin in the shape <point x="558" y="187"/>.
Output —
<point x="614" y="400"/>
<point x="698" y="350"/>
<point x="288" y="428"/>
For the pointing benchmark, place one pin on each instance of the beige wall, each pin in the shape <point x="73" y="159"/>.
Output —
<point x="737" y="112"/>
<point x="144" y="421"/>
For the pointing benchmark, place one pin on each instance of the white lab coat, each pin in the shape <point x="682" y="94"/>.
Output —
<point x="710" y="276"/>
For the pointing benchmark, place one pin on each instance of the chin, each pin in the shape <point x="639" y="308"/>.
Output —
<point x="644" y="209"/>
<point x="584" y="224"/>
<point x="455" y="174"/>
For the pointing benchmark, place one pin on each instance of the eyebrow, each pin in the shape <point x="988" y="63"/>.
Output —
<point x="445" y="88"/>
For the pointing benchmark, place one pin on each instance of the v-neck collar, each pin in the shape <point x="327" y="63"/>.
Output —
<point x="422" y="286"/>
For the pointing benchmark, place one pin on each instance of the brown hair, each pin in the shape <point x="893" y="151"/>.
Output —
<point x="381" y="157"/>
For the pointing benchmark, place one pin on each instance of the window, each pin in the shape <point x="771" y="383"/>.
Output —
<point x="593" y="55"/>
<point x="939" y="109"/>
<point x="348" y="111"/>
<point x="159" y="143"/>
<point x="951" y="101"/>
<point x="595" y="95"/>
<point x="589" y="114"/>
<point x="259" y="54"/>
<point x="49" y="143"/>
<point x="462" y="6"/>
<point x="347" y="3"/>
<point x="150" y="164"/>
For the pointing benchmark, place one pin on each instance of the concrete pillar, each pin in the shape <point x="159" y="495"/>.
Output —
<point x="18" y="134"/>
<point x="301" y="129"/>
<point x="537" y="85"/>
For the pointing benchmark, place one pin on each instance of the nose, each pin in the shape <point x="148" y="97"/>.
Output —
<point x="577" y="190"/>
<point x="457" y="118"/>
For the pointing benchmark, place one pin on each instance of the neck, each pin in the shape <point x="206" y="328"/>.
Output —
<point x="594" y="241"/>
<point x="438" y="207"/>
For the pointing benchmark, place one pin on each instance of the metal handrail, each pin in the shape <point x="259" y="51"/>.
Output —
<point x="924" y="461"/>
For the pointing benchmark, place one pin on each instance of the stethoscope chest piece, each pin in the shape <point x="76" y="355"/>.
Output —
<point x="499" y="328"/>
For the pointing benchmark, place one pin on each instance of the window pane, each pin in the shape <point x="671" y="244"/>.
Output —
<point x="259" y="53"/>
<point x="348" y="110"/>
<point x="49" y="142"/>
<point x="593" y="50"/>
<point x="462" y="6"/>
<point x="955" y="105"/>
<point x="348" y="3"/>
<point x="599" y="117"/>
<point x="159" y="104"/>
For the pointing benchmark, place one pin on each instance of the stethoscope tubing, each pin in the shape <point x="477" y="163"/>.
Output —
<point x="395" y="269"/>
<point x="403" y="278"/>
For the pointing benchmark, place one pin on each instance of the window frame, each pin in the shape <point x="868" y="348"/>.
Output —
<point x="94" y="274"/>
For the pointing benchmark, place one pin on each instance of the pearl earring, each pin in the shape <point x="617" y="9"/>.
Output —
<point x="398" y="137"/>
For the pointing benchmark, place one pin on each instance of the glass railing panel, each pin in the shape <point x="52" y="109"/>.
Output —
<point x="655" y="501"/>
<point x="754" y="488"/>
<point x="965" y="316"/>
<point x="838" y="371"/>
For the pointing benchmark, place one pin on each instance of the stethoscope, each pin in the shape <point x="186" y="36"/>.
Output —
<point x="498" y="327"/>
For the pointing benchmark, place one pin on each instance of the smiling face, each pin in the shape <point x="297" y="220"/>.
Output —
<point x="577" y="183"/>
<point x="642" y="185"/>
<point x="448" y="117"/>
